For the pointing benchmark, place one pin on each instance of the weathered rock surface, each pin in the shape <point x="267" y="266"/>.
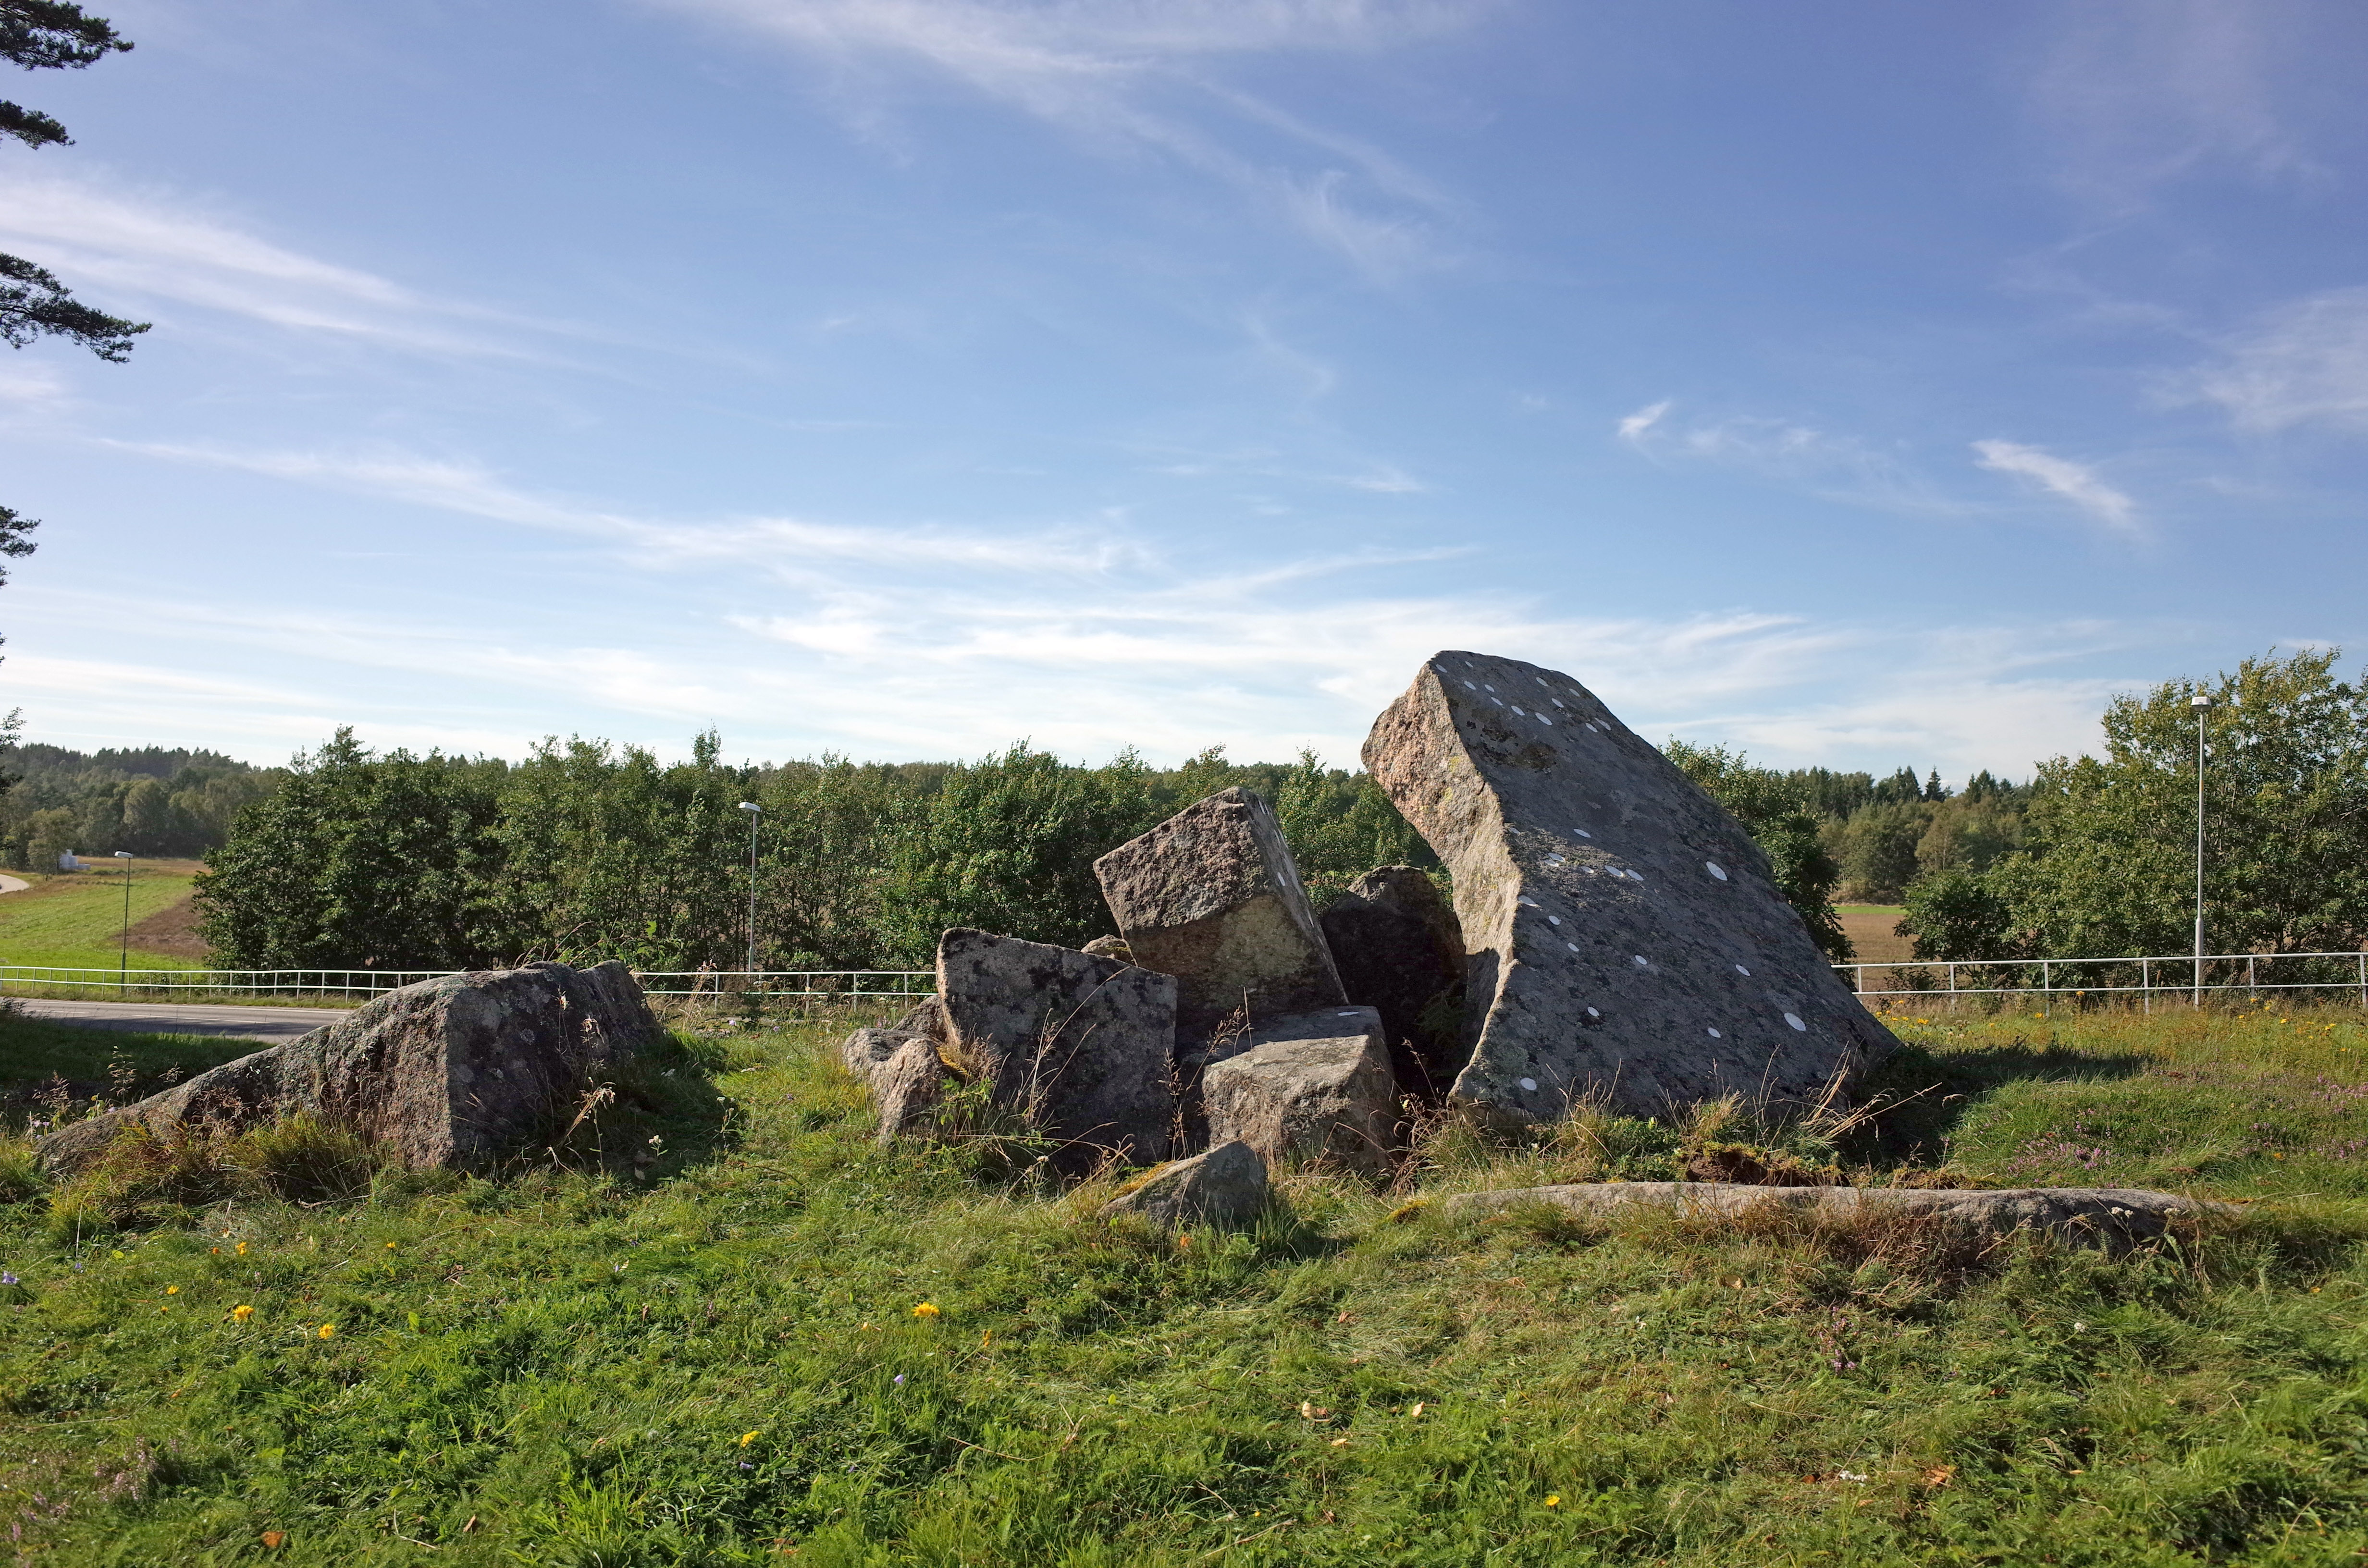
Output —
<point x="1211" y="897"/>
<point x="1314" y="1087"/>
<point x="1224" y="1187"/>
<point x="1110" y="948"/>
<point x="908" y="1088"/>
<point x="1397" y="948"/>
<point x="1084" y="1045"/>
<point x="1622" y="938"/>
<point x="926" y="1018"/>
<point x="457" y="1070"/>
<point x="2113" y="1217"/>
<point x="867" y="1051"/>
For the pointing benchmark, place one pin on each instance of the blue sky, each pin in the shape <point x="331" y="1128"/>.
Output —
<point x="1856" y="383"/>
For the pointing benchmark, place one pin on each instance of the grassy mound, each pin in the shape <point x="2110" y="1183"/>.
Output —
<point x="713" y="1323"/>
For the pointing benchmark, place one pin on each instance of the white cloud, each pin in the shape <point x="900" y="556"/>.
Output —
<point x="2302" y="363"/>
<point x="1136" y="75"/>
<point x="2134" y="95"/>
<point x="1835" y="468"/>
<point x="131" y="248"/>
<point x="2075" y="483"/>
<point x="941" y="643"/>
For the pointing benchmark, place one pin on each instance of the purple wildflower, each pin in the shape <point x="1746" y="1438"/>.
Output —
<point x="900" y="1377"/>
<point x="7" y="1278"/>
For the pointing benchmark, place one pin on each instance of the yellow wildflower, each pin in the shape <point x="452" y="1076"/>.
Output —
<point x="241" y="1311"/>
<point x="171" y="1289"/>
<point x="390" y="1246"/>
<point x="241" y="1249"/>
<point x="926" y="1310"/>
<point x="748" y="1437"/>
<point x="1553" y="1499"/>
<point x="328" y="1331"/>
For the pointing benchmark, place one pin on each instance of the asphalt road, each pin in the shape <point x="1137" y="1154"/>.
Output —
<point x="270" y="1024"/>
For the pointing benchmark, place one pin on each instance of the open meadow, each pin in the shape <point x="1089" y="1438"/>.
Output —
<point x="76" y="919"/>
<point x="717" y="1325"/>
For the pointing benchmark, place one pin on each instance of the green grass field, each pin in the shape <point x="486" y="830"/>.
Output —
<point x="75" y="921"/>
<point x="779" y="1342"/>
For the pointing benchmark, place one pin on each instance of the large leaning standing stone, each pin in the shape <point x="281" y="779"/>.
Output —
<point x="457" y="1070"/>
<point x="1395" y="943"/>
<point x="1211" y="897"/>
<point x="1084" y="1045"/>
<point x="1314" y="1088"/>
<point x="1622" y="938"/>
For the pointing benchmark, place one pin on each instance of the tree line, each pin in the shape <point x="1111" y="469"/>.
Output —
<point x="149" y="801"/>
<point x="586" y="849"/>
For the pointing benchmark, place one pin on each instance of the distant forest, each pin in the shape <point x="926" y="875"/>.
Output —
<point x="150" y="800"/>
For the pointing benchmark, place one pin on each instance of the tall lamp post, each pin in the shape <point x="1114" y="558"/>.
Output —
<point x="754" y="811"/>
<point x="2202" y="705"/>
<point x="123" y="970"/>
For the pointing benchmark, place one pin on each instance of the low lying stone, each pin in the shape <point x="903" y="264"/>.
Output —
<point x="867" y="1051"/>
<point x="2111" y="1217"/>
<point x="908" y="1088"/>
<point x="1395" y="943"/>
<point x="1083" y="1046"/>
<point x="1212" y="897"/>
<point x="1224" y="1187"/>
<point x="927" y="1016"/>
<point x="462" y="1071"/>
<point x="1314" y="1088"/>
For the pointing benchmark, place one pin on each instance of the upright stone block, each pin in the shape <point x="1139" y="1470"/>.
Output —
<point x="1211" y="897"/>
<point x="1084" y="1045"/>
<point x="1314" y="1087"/>
<point x="1622" y="938"/>
<point x="1398" y="951"/>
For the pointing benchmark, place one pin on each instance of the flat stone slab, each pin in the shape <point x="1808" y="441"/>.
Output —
<point x="2113" y="1217"/>
<point x="1316" y="1087"/>
<point x="1212" y="897"/>
<point x="455" y="1071"/>
<point x="1228" y="1186"/>
<point x="1083" y="1045"/>
<point x="1624" y="941"/>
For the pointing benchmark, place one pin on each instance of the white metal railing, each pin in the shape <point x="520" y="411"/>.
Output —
<point x="2180" y="974"/>
<point x="219" y="984"/>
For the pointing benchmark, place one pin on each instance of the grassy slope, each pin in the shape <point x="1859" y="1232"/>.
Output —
<point x="718" y="1361"/>
<point x="75" y="921"/>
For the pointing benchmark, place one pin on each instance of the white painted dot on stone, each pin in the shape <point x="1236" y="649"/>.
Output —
<point x="1742" y="971"/>
<point x="1715" y="869"/>
<point x="1497" y="700"/>
<point x="1529" y="904"/>
<point x="1557" y="702"/>
<point x="1572" y="945"/>
<point x="1582" y="833"/>
<point x="1589" y="869"/>
<point x="1554" y="860"/>
<point x="1641" y="961"/>
<point x="1490" y="687"/>
<point x="1530" y="1083"/>
<point x="1517" y="708"/>
<point x="1795" y="1019"/>
<point x="1715" y="1035"/>
<point x="1469" y="687"/>
<point x="1347" y="1012"/>
<point x="1554" y="919"/>
<point x="1635" y="876"/>
<point x="1591" y="1012"/>
<point x="1542" y="720"/>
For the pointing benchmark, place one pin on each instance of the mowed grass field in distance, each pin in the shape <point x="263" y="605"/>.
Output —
<point x="76" y="919"/>
<point x="1873" y="931"/>
<point x="760" y="1337"/>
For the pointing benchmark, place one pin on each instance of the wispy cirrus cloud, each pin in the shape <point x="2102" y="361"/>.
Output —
<point x="949" y="641"/>
<point x="1835" y="467"/>
<point x="2133" y="94"/>
<point x="127" y="245"/>
<point x="1141" y="77"/>
<point x="2075" y="482"/>
<point x="2303" y="362"/>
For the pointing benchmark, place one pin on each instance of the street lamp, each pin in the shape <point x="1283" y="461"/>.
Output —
<point x="2202" y="705"/>
<point x="754" y="811"/>
<point x="123" y="971"/>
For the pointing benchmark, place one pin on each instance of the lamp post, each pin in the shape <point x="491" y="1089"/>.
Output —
<point x="754" y="811"/>
<point x="123" y="970"/>
<point x="2202" y="705"/>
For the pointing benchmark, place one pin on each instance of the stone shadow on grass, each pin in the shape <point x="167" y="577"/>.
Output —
<point x="1927" y="1093"/>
